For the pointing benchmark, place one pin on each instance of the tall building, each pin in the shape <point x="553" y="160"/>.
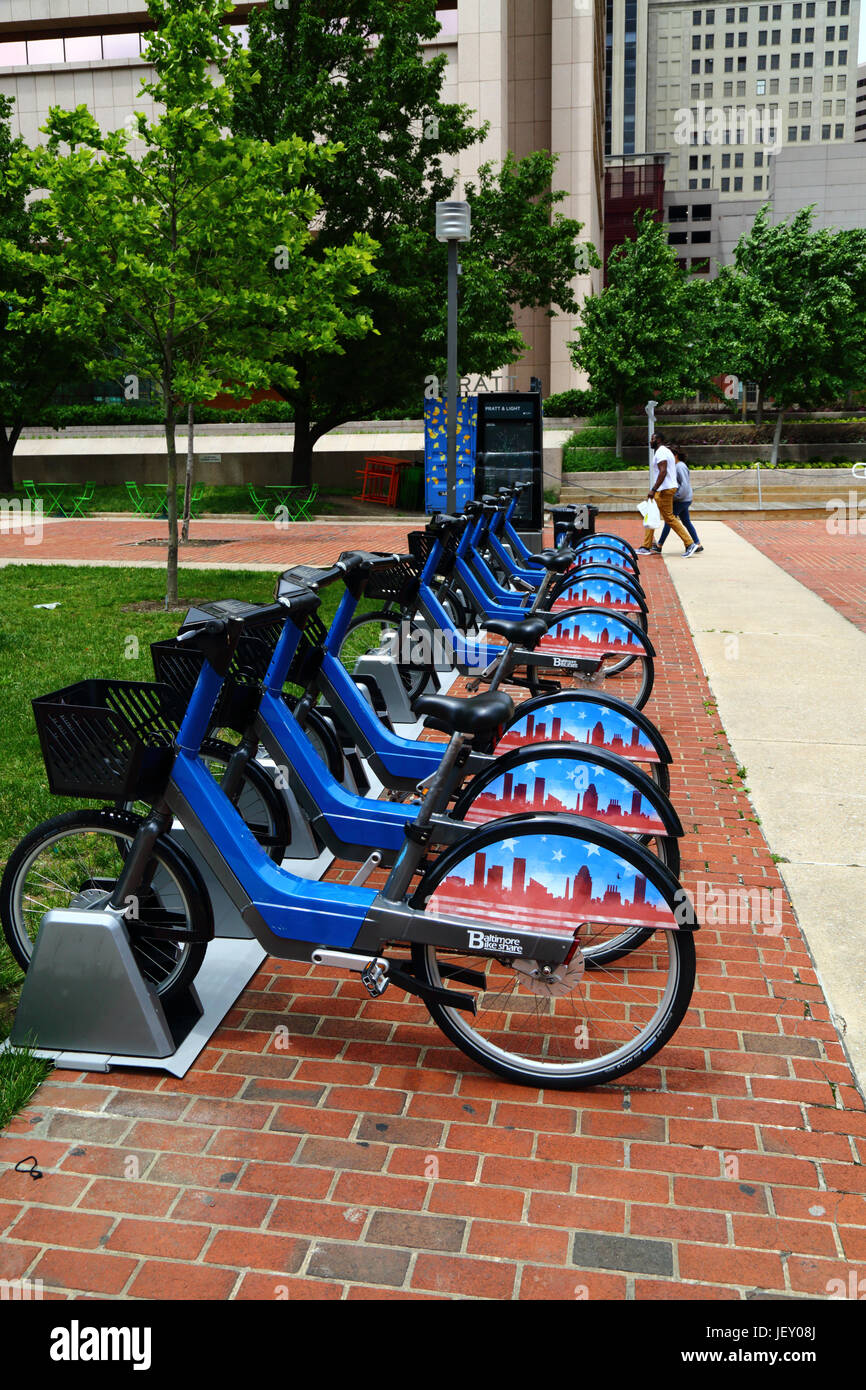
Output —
<point x="533" y="69"/>
<point x="726" y="88"/>
<point x="860" y="107"/>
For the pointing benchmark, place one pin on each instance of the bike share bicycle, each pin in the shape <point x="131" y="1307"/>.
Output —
<point x="478" y="932"/>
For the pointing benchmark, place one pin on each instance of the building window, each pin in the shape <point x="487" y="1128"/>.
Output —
<point x="741" y="89"/>
<point x="708" y="90"/>
<point x="693" y="161"/>
<point x="825" y="132"/>
<point x="729" y="65"/>
<point x="726" y="161"/>
<point x="805" y="132"/>
<point x="709" y="40"/>
<point x="810" y="35"/>
<point x="843" y="33"/>
<point x="810" y="10"/>
<point x="696" y="40"/>
<point x="777" y="11"/>
<point x="793" y="109"/>
<point x="742" y="39"/>
<point x="762" y="62"/>
<point x="728" y="90"/>
<point x="757" y="183"/>
<point x="830" y="33"/>
<point x="744" y="14"/>
<point x="738" y="161"/>
<point x="759" y="159"/>
<point x="708" y="65"/>
<point x="729" y="40"/>
<point x="792" y="134"/>
<point x="741" y="65"/>
<point x="679" y="213"/>
<point x="696" y="16"/>
<point x="701" y="238"/>
<point x="774" y="85"/>
<point x="693" y="183"/>
<point x="738" y="185"/>
<point x="826" y="108"/>
<point x="831" y="7"/>
<point x="840" y="107"/>
<point x="795" y="60"/>
<point x="696" y="89"/>
<point x="763" y="13"/>
<point x="795" y="35"/>
<point x="808" y="60"/>
<point x="794" y="84"/>
<point x="841" y="81"/>
<point x="701" y="212"/>
<point x="797" y="12"/>
<point x="710" y="17"/>
<point x="706" y="183"/>
<point x="761" y="87"/>
<point x="842" y="57"/>
<point x="828" y="59"/>
<point x="677" y="238"/>
<point x="706" y="161"/>
<point x="729" y="15"/>
<point x="840" y="132"/>
<point x="762" y="38"/>
<point x="696" y="65"/>
<point x="726" y="185"/>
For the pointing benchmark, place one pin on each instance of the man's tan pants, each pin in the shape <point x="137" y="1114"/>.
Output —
<point x="665" y="504"/>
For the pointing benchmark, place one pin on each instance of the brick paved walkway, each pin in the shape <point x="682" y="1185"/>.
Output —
<point x="368" y="1159"/>
<point x="241" y="543"/>
<point x="832" y="566"/>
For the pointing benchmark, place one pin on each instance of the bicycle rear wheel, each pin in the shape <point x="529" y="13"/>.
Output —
<point x="592" y="1019"/>
<point x="75" y="860"/>
<point x="394" y="635"/>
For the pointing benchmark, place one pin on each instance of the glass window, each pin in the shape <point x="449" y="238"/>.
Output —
<point x="831" y="7"/>
<point x="710" y="17"/>
<point x="797" y="11"/>
<point x="810" y="10"/>
<point x="729" y="40"/>
<point x="761" y="86"/>
<point x="696" y="40"/>
<point x="830" y="33"/>
<point x="757" y="182"/>
<point x="738" y="184"/>
<point x="774" y="85"/>
<point x="795" y="35"/>
<point x="843" y="32"/>
<point x="45" y="51"/>
<point x="120" y="45"/>
<point x="13" y="55"/>
<point x="708" y="90"/>
<point x="842" y="57"/>
<point x="759" y="159"/>
<point x="825" y="132"/>
<point x="726" y="185"/>
<point x="810" y="35"/>
<point x="729" y="14"/>
<point x="741" y="65"/>
<point x="693" y="161"/>
<point x="708" y="65"/>
<point x="729" y="65"/>
<point x="738" y="161"/>
<point x="678" y="213"/>
<point x="677" y="238"/>
<point x="762" y="62"/>
<point x="742" y="39"/>
<point x="695" y="90"/>
<point x="795" y="60"/>
<point x="776" y="36"/>
<point x="845" y="7"/>
<point x="828" y="58"/>
<point x="726" y="161"/>
<point x="741" y="89"/>
<point x="840" y="107"/>
<point x="805" y="132"/>
<point x="827" y="108"/>
<point x="744" y="14"/>
<point x="828" y="83"/>
<point x="83" y="50"/>
<point x="696" y="65"/>
<point x="808" y="60"/>
<point x="696" y="16"/>
<point x="763" y="12"/>
<point x="701" y="212"/>
<point x="701" y="238"/>
<point x="841" y="81"/>
<point x="693" y="183"/>
<point x="762" y="38"/>
<point x="807" y="108"/>
<point x="709" y="40"/>
<point x="706" y="183"/>
<point x="840" y="132"/>
<point x="706" y="161"/>
<point x="793" y="109"/>
<point x="792" y="133"/>
<point x="794" y="84"/>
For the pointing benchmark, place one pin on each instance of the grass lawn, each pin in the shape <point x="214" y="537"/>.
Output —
<point x="217" y="500"/>
<point x="88" y="635"/>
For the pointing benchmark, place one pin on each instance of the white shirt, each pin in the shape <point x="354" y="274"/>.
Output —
<point x="661" y="455"/>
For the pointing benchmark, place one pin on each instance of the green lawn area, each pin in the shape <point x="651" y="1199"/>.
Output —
<point x="219" y="501"/>
<point x="88" y="635"/>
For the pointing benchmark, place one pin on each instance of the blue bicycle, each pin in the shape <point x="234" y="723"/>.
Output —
<point x="502" y="936"/>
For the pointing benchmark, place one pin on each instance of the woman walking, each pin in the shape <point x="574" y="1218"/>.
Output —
<point x="683" y="498"/>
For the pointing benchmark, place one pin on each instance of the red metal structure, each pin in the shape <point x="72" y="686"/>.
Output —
<point x="631" y="181"/>
<point x="380" y="479"/>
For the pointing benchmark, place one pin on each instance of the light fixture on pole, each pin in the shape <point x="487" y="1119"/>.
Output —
<point x="453" y="224"/>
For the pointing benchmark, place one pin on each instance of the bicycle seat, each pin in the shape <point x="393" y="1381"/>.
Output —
<point x="476" y="715"/>
<point x="556" y="560"/>
<point x="523" y="632"/>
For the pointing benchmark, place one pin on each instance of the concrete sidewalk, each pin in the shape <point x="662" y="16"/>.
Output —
<point x="788" y="673"/>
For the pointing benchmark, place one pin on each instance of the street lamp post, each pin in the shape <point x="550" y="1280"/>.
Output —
<point x="453" y="224"/>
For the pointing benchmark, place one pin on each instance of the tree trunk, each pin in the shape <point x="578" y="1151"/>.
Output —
<point x="759" y="406"/>
<point x="620" y="416"/>
<point x="190" y="458"/>
<point x="777" y="435"/>
<point x="302" y="451"/>
<point x="7" y="449"/>
<point x="171" y="599"/>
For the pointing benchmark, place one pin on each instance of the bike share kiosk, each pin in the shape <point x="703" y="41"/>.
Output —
<point x="509" y="450"/>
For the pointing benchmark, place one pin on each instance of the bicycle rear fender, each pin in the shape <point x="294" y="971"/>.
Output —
<point x="561" y="778"/>
<point x="577" y="716"/>
<point x="591" y="634"/>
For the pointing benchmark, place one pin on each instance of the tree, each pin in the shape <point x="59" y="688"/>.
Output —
<point x="649" y="333"/>
<point x="34" y="357"/>
<point x="794" y="310"/>
<point x="186" y="259"/>
<point x="355" y="71"/>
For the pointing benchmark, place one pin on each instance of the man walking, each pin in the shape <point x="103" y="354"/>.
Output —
<point x="683" y="499"/>
<point x="663" y="485"/>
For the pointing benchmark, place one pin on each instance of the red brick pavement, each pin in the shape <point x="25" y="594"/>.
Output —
<point x="831" y="565"/>
<point x="100" y="539"/>
<point x="368" y="1159"/>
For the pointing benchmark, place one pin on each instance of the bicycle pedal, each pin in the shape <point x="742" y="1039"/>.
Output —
<point x="374" y="979"/>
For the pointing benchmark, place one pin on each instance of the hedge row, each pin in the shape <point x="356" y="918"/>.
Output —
<point x="593" y="460"/>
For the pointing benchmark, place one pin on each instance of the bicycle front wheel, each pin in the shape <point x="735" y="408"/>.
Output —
<point x="74" y="861"/>
<point x="393" y="635"/>
<point x="586" y="1022"/>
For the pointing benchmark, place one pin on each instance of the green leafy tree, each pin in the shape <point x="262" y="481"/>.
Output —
<point x="186" y="257"/>
<point x="794" y="313"/>
<point x="34" y="357"/>
<point x="649" y="333"/>
<point x="356" y="71"/>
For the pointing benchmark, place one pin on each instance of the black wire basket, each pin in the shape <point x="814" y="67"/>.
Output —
<point x="179" y="665"/>
<point x="395" y="584"/>
<point x="108" y="739"/>
<point x="420" y="545"/>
